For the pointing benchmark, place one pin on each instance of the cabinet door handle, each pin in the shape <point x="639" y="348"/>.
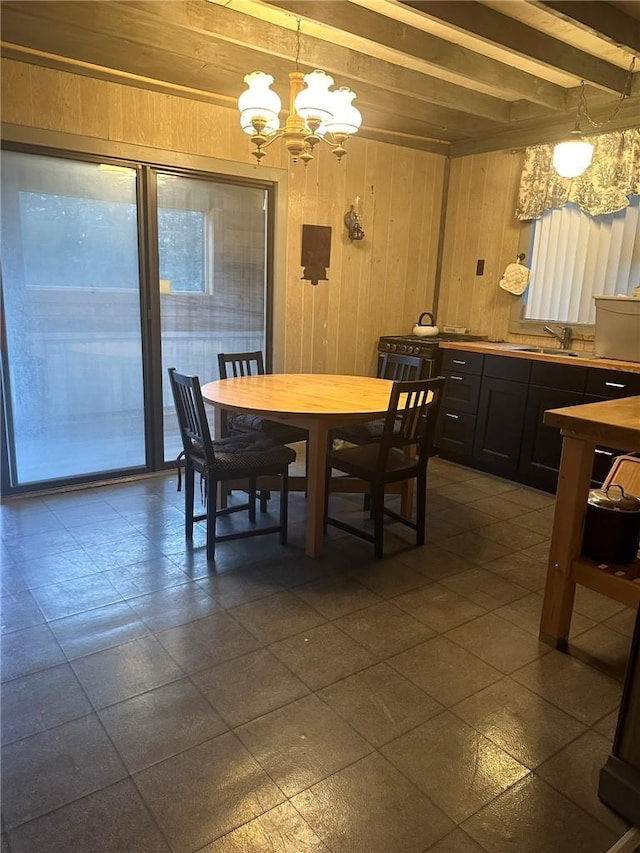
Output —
<point x="615" y="385"/>
<point x="449" y="415"/>
<point x="457" y="361"/>
<point x="458" y="378"/>
<point x="604" y="452"/>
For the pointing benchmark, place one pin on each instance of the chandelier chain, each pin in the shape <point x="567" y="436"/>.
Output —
<point x="626" y="93"/>
<point x="298" y="45"/>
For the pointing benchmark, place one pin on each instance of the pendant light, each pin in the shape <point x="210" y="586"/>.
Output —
<point x="573" y="157"/>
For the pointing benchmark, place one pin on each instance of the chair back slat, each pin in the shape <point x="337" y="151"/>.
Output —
<point x="232" y="365"/>
<point x="192" y="417"/>
<point x="403" y="368"/>
<point x="410" y="419"/>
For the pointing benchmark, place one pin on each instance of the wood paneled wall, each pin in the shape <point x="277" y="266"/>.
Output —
<point x="376" y="286"/>
<point x="480" y="224"/>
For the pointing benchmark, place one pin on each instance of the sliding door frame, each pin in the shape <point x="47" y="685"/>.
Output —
<point x="147" y="162"/>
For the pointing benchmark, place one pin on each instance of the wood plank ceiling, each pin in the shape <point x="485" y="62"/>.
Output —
<point x="451" y="77"/>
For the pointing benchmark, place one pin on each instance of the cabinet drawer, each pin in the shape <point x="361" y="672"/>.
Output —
<point x="612" y="383"/>
<point x="564" y="377"/>
<point x="461" y="392"/>
<point x="503" y="367"/>
<point x="462" y="362"/>
<point x="455" y="432"/>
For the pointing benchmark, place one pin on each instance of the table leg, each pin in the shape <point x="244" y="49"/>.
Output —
<point x="316" y="479"/>
<point x="566" y="539"/>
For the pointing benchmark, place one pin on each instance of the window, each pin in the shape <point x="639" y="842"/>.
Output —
<point x="181" y="241"/>
<point x="575" y="257"/>
<point x="77" y="241"/>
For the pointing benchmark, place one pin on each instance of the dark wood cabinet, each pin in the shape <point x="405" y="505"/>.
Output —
<point x="552" y="386"/>
<point x="457" y="418"/>
<point x="612" y="384"/>
<point x="608" y="385"/>
<point x="501" y="409"/>
<point x="492" y="410"/>
<point x="542" y="445"/>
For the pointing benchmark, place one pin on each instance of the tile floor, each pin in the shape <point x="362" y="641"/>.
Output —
<point x="151" y="702"/>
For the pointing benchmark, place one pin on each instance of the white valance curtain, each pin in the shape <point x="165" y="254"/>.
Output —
<point x="605" y="187"/>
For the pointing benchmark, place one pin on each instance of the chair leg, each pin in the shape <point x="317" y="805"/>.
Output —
<point x="421" y="508"/>
<point x="377" y="507"/>
<point x="265" y="494"/>
<point x="189" y="489"/>
<point x="284" y="505"/>
<point x="212" y="508"/>
<point x="252" y="500"/>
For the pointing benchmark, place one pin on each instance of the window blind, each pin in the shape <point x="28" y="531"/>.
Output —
<point x="575" y="257"/>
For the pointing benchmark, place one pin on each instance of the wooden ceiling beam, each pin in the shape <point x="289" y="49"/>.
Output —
<point x="467" y="67"/>
<point x="491" y="26"/>
<point x="206" y="69"/>
<point x="541" y="132"/>
<point x="348" y="65"/>
<point x="607" y="21"/>
<point x="208" y="40"/>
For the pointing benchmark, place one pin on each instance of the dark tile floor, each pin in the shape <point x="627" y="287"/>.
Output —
<point x="151" y="702"/>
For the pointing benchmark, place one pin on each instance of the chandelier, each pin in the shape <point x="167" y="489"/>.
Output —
<point x="316" y="113"/>
<point x="572" y="157"/>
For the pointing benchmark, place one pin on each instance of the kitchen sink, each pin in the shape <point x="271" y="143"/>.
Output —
<point x="553" y="351"/>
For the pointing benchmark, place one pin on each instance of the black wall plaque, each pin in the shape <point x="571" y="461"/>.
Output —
<point x="316" y="252"/>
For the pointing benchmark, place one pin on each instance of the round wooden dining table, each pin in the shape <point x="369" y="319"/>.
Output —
<point x="315" y="402"/>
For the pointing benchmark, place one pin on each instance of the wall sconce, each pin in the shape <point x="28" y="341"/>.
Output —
<point x="352" y="224"/>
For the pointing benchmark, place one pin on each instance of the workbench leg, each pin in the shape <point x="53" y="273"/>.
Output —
<point x="566" y="539"/>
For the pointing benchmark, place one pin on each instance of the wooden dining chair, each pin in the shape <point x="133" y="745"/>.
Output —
<point x="232" y="364"/>
<point x="402" y="453"/>
<point x="240" y="457"/>
<point x="399" y="368"/>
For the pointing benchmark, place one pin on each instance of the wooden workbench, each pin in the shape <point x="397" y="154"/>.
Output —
<point x="615" y="424"/>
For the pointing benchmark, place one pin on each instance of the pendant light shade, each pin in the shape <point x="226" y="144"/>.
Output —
<point x="314" y="102"/>
<point x="572" y="158"/>
<point x="345" y="118"/>
<point x="259" y="104"/>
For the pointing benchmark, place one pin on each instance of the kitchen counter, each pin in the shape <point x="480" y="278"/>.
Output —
<point x="615" y="423"/>
<point x="529" y="352"/>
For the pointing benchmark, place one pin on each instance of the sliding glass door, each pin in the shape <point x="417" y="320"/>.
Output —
<point x="212" y="255"/>
<point x="113" y="273"/>
<point x="72" y="378"/>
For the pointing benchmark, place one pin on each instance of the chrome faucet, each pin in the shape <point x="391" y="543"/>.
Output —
<point x="564" y="335"/>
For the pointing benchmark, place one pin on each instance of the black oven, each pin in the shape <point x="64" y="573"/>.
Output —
<point x="426" y="348"/>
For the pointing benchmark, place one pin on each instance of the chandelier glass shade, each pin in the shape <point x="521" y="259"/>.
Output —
<point x="316" y="113"/>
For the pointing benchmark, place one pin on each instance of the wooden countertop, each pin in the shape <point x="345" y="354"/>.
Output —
<point x="507" y="349"/>
<point x="613" y="423"/>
